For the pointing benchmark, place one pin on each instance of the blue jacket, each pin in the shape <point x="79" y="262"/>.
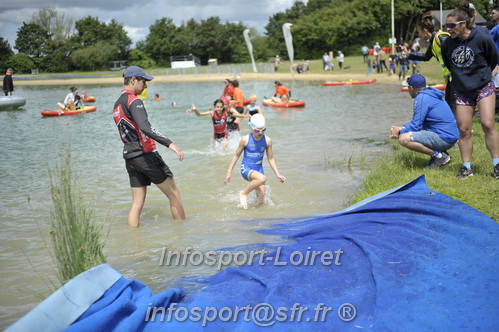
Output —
<point x="495" y="37"/>
<point x="432" y="113"/>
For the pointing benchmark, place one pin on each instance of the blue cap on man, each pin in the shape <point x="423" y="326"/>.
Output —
<point x="135" y="71"/>
<point x="417" y="81"/>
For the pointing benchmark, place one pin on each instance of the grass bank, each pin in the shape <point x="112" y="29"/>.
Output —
<point x="480" y="191"/>
<point x="76" y="236"/>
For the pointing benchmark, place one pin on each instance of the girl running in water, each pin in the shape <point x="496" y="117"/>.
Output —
<point x="219" y="118"/>
<point x="254" y="146"/>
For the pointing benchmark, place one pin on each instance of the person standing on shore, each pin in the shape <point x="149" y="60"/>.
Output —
<point x="143" y="161"/>
<point x="494" y="15"/>
<point x="471" y="56"/>
<point x="341" y="59"/>
<point x="8" y="84"/>
<point x="435" y="38"/>
<point x="254" y="145"/>
<point x="365" y="52"/>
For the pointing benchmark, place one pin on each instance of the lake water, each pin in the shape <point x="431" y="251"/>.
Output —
<point x="312" y="146"/>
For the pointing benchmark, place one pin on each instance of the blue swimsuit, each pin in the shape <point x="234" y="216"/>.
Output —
<point x="253" y="156"/>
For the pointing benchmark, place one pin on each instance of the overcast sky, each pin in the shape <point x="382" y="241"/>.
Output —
<point x="137" y="16"/>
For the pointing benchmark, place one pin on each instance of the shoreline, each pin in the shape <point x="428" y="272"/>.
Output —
<point x="380" y="78"/>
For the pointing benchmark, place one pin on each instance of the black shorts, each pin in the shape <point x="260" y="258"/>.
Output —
<point x="147" y="168"/>
<point x="219" y="136"/>
<point x="240" y="109"/>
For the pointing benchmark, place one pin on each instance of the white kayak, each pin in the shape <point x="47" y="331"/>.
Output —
<point x="11" y="102"/>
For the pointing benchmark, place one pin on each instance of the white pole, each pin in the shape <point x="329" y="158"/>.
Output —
<point x="393" y="28"/>
<point x="441" y="23"/>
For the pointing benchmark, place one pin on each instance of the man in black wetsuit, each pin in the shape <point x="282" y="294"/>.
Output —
<point x="143" y="162"/>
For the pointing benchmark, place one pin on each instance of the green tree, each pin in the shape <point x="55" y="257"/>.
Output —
<point x="141" y="59"/>
<point x="213" y="40"/>
<point x="90" y="31"/>
<point x="31" y="39"/>
<point x="118" y="36"/>
<point x="322" y="25"/>
<point x="58" y="57"/>
<point x="5" y="53"/>
<point x="161" y="42"/>
<point x="236" y="48"/>
<point x="274" y="27"/>
<point x="21" y="63"/>
<point x="56" y="23"/>
<point x="94" y="57"/>
<point x="187" y="37"/>
<point x="329" y="29"/>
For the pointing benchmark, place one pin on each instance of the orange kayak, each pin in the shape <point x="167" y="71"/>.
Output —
<point x="85" y="109"/>
<point x="351" y="82"/>
<point x="436" y="86"/>
<point x="290" y="103"/>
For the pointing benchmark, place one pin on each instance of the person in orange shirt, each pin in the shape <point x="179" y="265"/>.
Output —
<point x="282" y="93"/>
<point x="238" y="97"/>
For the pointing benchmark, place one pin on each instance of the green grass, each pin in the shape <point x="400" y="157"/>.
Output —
<point x="431" y="70"/>
<point x="480" y="191"/>
<point x="76" y="237"/>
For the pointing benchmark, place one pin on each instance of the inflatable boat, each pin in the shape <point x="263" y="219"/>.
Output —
<point x="290" y="103"/>
<point x="11" y="102"/>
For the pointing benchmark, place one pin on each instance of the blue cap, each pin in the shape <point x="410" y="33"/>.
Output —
<point x="417" y="81"/>
<point x="134" y="71"/>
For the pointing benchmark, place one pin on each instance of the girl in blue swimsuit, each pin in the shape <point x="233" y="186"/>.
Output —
<point x="254" y="146"/>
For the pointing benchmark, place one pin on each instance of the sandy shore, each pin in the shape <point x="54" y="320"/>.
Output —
<point x="285" y="77"/>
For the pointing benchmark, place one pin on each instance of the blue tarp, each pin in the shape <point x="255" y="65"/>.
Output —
<point x="409" y="259"/>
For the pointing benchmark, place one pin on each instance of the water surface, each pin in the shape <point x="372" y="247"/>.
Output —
<point x="310" y="146"/>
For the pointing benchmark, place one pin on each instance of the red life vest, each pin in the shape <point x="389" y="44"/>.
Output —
<point x="220" y="122"/>
<point x="128" y="129"/>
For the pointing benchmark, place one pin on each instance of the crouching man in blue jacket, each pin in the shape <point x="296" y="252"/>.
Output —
<point x="433" y="128"/>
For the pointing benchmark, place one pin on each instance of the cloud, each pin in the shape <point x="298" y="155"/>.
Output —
<point x="138" y="16"/>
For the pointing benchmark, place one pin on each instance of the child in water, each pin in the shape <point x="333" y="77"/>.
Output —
<point x="219" y="119"/>
<point x="252" y="108"/>
<point x="254" y="146"/>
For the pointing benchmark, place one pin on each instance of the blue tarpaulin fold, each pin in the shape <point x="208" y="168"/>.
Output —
<point x="409" y="259"/>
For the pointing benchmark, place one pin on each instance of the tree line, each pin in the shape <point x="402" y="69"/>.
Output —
<point x="52" y="42"/>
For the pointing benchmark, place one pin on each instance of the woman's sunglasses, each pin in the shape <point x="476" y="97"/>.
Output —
<point x="453" y="25"/>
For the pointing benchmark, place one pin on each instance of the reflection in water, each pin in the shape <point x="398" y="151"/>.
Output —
<point x="338" y="123"/>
